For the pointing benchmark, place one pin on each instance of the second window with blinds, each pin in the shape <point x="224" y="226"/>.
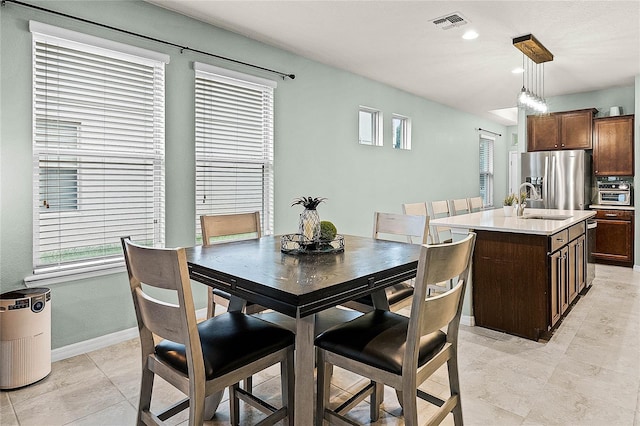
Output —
<point x="486" y="170"/>
<point x="234" y="144"/>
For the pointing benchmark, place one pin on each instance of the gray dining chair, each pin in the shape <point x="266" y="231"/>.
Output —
<point x="200" y="359"/>
<point x="416" y="209"/>
<point x="437" y="210"/>
<point x="475" y="204"/>
<point x="459" y="206"/>
<point x="219" y="229"/>
<point x="398" y="351"/>
<point x="395" y="226"/>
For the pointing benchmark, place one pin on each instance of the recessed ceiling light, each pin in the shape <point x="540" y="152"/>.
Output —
<point x="518" y="70"/>
<point x="470" y="35"/>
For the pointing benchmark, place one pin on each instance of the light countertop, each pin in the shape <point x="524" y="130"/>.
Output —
<point x="610" y="207"/>
<point x="495" y="220"/>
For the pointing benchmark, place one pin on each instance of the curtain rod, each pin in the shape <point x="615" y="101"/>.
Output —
<point x="478" y="129"/>
<point x="182" y="48"/>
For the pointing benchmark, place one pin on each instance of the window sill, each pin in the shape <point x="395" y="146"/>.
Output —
<point x="56" y="277"/>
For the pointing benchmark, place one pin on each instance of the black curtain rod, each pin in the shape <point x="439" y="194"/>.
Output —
<point x="478" y="129"/>
<point x="182" y="48"/>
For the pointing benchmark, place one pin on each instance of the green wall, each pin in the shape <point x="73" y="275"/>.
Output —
<point x="316" y="150"/>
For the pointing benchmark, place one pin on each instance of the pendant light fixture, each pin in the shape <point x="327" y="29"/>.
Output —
<point x="532" y="98"/>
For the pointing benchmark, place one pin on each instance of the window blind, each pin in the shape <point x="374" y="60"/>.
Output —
<point x="98" y="152"/>
<point x="234" y="145"/>
<point x="486" y="170"/>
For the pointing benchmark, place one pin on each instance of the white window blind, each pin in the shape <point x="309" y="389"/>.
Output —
<point x="486" y="170"/>
<point x="234" y="145"/>
<point x="98" y="151"/>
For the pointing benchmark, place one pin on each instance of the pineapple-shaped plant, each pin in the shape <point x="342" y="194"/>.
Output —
<point x="309" y="225"/>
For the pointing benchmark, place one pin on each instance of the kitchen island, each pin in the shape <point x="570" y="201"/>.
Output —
<point x="528" y="270"/>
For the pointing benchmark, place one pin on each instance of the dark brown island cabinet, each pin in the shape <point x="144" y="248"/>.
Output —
<point x="524" y="283"/>
<point x="561" y="130"/>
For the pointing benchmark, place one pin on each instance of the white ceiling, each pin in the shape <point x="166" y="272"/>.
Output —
<point x="596" y="44"/>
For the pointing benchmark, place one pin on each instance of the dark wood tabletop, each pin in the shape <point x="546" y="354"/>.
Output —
<point x="256" y="270"/>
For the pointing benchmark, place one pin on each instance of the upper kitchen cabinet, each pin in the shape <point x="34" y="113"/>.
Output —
<point x="613" y="146"/>
<point x="560" y="130"/>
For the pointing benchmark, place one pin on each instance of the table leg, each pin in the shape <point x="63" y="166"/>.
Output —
<point x="236" y="304"/>
<point x="379" y="299"/>
<point x="304" y="365"/>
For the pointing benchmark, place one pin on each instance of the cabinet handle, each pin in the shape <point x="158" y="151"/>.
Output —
<point x="611" y="215"/>
<point x="560" y="239"/>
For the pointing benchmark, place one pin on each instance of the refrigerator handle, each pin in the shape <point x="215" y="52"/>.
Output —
<point x="551" y="201"/>
<point x="545" y="183"/>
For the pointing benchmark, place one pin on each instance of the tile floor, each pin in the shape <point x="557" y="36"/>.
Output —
<point x="587" y="374"/>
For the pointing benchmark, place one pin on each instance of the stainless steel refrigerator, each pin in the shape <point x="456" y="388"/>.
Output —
<point x="562" y="178"/>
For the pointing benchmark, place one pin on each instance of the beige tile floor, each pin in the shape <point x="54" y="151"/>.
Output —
<point x="588" y="373"/>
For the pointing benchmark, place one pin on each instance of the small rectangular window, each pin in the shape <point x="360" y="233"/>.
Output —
<point x="370" y="126"/>
<point x="401" y="127"/>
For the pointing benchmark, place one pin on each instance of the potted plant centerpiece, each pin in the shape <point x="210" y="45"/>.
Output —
<point x="507" y="204"/>
<point x="314" y="236"/>
<point x="309" y="225"/>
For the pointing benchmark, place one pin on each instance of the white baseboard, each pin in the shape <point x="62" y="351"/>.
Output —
<point x="636" y="268"/>
<point x="469" y="320"/>
<point x="93" y="344"/>
<point x="102" y="342"/>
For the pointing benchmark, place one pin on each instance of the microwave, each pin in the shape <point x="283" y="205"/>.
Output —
<point x="617" y="194"/>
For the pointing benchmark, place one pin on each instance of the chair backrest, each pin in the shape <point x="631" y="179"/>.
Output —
<point x="439" y="209"/>
<point x="475" y="204"/>
<point x="437" y="263"/>
<point x="246" y="225"/>
<point x="459" y="206"/>
<point x="165" y="269"/>
<point x="417" y="209"/>
<point x="401" y="225"/>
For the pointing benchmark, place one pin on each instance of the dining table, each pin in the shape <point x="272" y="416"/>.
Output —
<point x="301" y="284"/>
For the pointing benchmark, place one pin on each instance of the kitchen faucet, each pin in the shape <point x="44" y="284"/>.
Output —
<point x="535" y="196"/>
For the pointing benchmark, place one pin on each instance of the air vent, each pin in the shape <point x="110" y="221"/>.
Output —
<point x="450" y="21"/>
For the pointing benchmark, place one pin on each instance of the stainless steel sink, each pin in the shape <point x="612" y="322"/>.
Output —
<point x="547" y="216"/>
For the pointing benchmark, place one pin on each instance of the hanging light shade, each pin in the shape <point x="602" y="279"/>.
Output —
<point x="532" y="98"/>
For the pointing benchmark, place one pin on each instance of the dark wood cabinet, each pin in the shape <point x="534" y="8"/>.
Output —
<point x="576" y="264"/>
<point x="613" y="146"/>
<point x="523" y="284"/>
<point x="543" y="132"/>
<point x="561" y="130"/>
<point x="614" y="237"/>
<point x="558" y="285"/>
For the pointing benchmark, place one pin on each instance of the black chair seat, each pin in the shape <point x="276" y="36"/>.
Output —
<point x="229" y="341"/>
<point x="395" y="293"/>
<point x="378" y="339"/>
<point x="227" y="296"/>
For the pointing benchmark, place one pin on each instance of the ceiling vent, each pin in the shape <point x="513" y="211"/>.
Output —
<point x="450" y="21"/>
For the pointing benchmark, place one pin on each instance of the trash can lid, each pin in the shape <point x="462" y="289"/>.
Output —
<point x="24" y="292"/>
